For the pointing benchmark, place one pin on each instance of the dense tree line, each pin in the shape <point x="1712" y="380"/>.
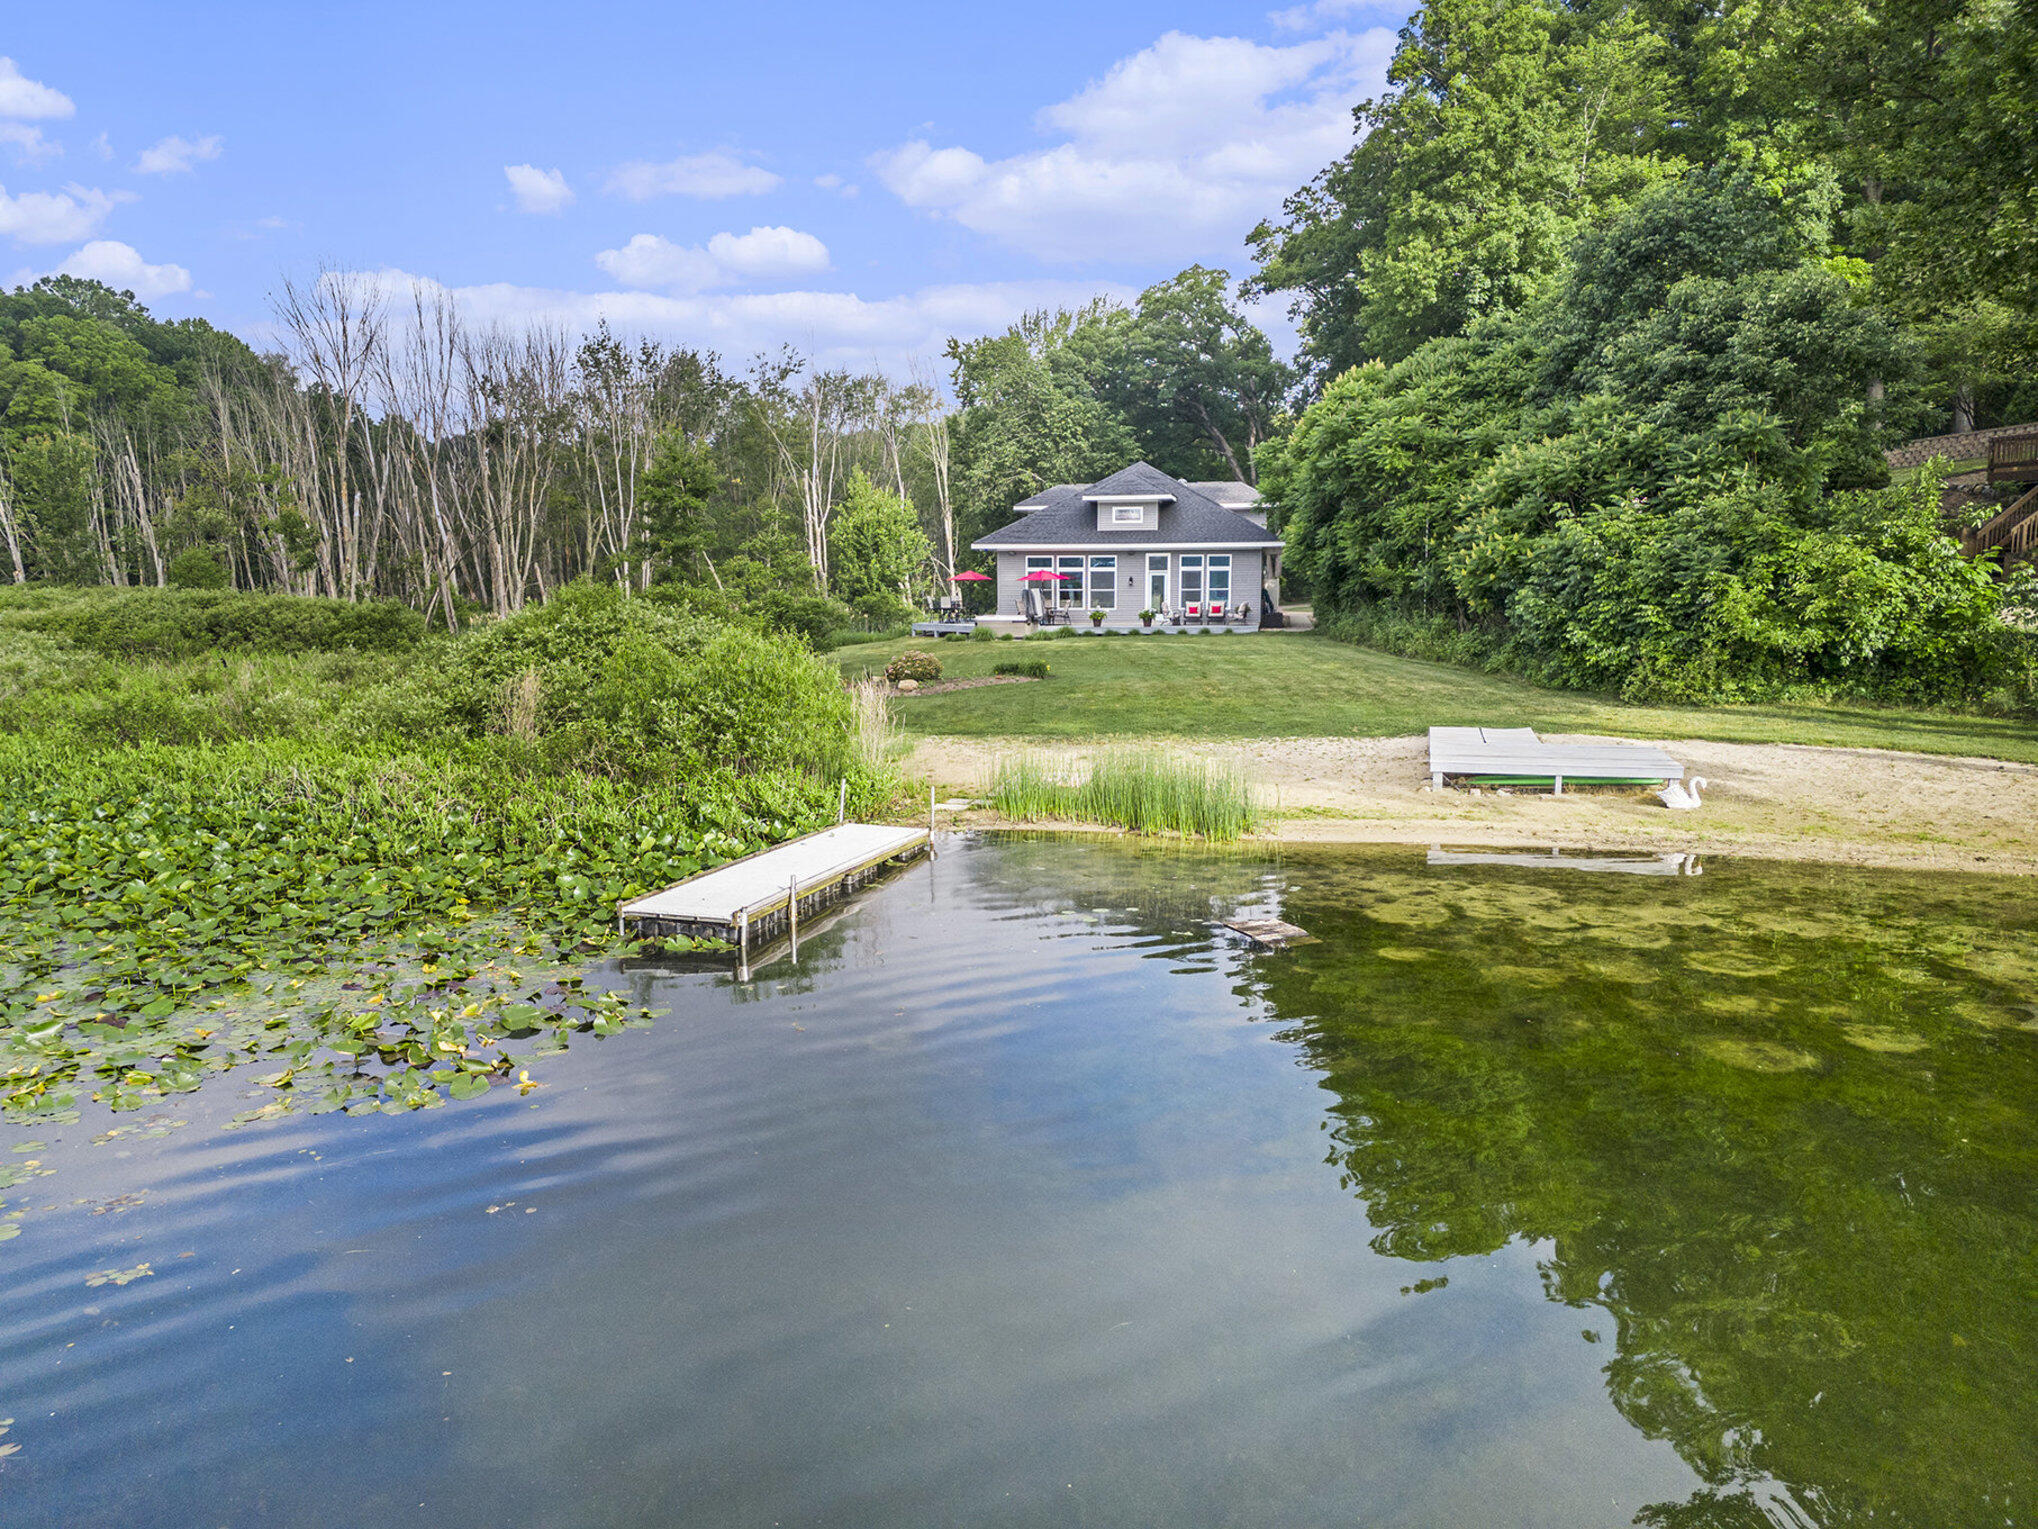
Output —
<point x="1606" y="319"/>
<point x="1609" y="315"/>
<point x="392" y="450"/>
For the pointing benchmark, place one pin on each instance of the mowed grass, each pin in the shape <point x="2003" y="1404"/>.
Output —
<point x="1293" y="685"/>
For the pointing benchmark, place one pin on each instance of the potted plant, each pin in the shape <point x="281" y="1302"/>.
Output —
<point x="1096" y="618"/>
<point x="1146" y="619"/>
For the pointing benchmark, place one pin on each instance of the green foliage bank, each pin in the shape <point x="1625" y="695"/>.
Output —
<point x="1662" y="479"/>
<point x="346" y="864"/>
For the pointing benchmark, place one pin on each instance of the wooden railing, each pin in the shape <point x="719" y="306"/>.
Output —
<point x="2013" y="459"/>
<point x="2013" y="532"/>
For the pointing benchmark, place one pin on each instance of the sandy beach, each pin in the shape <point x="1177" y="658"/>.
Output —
<point x="1781" y="801"/>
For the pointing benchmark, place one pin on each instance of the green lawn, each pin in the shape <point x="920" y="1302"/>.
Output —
<point x="1297" y="685"/>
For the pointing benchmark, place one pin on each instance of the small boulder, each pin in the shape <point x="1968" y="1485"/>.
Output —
<point x="909" y="684"/>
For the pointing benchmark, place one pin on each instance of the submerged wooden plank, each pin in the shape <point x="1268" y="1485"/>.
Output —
<point x="762" y="884"/>
<point x="1679" y="863"/>
<point x="1270" y="933"/>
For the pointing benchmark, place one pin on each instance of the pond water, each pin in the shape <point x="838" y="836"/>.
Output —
<point x="1528" y="1196"/>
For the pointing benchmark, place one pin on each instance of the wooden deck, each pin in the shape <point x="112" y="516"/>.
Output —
<point x="1516" y="756"/>
<point x="770" y="893"/>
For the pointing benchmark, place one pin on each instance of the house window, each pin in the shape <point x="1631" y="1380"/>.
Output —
<point x="1036" y="565"/>
<point x="1127" y="514"/>
<point x="1103" y="583"/>
<point x="1192" y="579"/>
<point x="1069" y="591"/>
<point x="1220" y="580"/>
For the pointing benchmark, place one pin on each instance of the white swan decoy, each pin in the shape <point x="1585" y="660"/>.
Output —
<point x="1682" y="795"/>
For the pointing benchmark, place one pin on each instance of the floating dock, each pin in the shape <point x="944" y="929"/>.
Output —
<point x="768" y="894"/>
<point x="1515" y="756"/>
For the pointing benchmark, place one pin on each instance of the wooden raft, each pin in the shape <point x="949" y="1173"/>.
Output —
<point x="1515" y="756"/>
<point x="770" y="893"/>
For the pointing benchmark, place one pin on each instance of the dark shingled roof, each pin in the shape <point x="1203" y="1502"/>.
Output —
<point x="1139" y="479"/>
<point x="1063" y="517"/>
<point x="1228" y="492"/>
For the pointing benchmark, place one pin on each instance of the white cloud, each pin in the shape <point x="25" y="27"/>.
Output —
<point x="23" y="97"/>
<point x="763" y="254"/>
<point x="176" y="156"/>
<point x="56" y="217"/>
<point x="830" y="328"/>
<point x="538" y="190"/>
<point x="713" y="174"/>
<point x="1175" y="153"/>
<point x="27" y="144"/>
<point x="103" y="146"/>
<point x="650" y="260"/>
<point x="121" y="266"/>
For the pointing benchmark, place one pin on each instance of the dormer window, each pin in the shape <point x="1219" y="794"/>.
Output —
<point x="1127" y="514"/>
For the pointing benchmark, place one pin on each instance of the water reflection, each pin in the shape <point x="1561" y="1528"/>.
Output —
<point x="1773" y="1134"/>
<point x="1523" y="1198"/>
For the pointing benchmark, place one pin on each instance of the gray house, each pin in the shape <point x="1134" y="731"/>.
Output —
<point x="1199" y="554"/>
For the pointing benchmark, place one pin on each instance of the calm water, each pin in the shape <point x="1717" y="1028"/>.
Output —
<point x="1527" y="1197"/>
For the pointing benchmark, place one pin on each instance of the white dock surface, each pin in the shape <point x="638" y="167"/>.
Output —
<point x="758" y="882"/>
<point x="1518" y="751"/>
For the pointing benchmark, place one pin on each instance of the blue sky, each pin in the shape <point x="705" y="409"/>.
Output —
<point x="857" y="181"/>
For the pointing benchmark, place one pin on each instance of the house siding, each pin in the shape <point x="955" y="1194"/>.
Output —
<point x="1247" y="569"/>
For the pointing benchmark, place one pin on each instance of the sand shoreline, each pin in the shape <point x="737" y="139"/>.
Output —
<point x="1804" y="802"/>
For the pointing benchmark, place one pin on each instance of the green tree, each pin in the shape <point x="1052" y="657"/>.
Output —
<point x="674" y="500"/>
<point x="1195" y="380"/>
<point x="1029" y="418"/>
<point x="875" y="547"/>
<point x="1507" y="129"/>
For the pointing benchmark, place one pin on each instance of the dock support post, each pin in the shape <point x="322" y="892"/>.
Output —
<point x="842" y="803"/>
<point x="1558" y="788"/>
<point x="743" y="946"/>
<point x="792" y="915"/>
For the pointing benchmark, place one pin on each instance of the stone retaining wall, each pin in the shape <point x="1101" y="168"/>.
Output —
<point x="1960" y="448"/>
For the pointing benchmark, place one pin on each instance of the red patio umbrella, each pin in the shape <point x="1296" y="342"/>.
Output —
<point x="971" y="576"/>
<point x="1041" y="576"/>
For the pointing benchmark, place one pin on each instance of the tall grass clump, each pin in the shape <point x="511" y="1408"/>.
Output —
<point x="878" y="743"/>
<point x="1141" y="790"/>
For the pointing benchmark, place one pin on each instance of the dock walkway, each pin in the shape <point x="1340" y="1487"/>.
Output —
<point x="1509" y="756"/>
<point x="751" y="898"/>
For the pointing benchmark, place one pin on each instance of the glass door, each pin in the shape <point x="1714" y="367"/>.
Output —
<point x="1156" y="581"/>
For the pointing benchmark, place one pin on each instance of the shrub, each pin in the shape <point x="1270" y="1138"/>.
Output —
<point x="181" y="623"/>
<point x="1032" y="668"/>
<point x="983" y="634"/>
<point x="913" y="665"/>
<point x="195" y="568"/>
<point x="815" y="618"/>
<point x="633" y="691"/>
